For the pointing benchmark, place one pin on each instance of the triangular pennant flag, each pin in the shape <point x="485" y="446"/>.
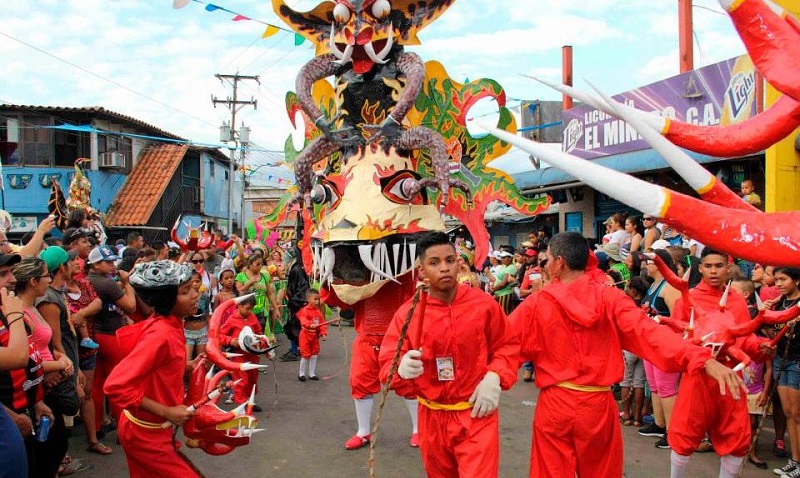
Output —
<point x="298" y="39"/>
<point x="271" y="30"/>
<point x="177" y="4"/>
<point x="239" y="18"/>
<point x="210" y="7"/>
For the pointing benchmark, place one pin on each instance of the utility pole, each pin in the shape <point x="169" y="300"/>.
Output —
<point x="233" y="104"/>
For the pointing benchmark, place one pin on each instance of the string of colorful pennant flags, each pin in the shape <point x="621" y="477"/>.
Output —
<point x="269" y="31"/>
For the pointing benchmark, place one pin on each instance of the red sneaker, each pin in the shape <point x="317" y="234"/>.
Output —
<point x="414" y="440"/>
<point x="355" y="442"/>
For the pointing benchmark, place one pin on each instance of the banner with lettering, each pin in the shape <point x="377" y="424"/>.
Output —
<point x="718" y="94"/>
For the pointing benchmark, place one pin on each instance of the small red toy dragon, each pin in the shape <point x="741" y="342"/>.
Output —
<point x="197" y="239"/>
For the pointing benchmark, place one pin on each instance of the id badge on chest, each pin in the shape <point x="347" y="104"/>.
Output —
<point x="445" y="369"/>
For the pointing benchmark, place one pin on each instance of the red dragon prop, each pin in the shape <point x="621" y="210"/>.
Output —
<point x="720" y="220"/>
<point x="197" y="239"/>
<point x="718" y="329"/>
<point x="212" y="429"/>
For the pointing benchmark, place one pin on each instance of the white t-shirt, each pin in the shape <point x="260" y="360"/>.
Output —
<point x="621" y="237"/>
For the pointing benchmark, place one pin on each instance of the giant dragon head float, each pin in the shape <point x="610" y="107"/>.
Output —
<point x="386" y="145"/>
<point x="720" y="218"/>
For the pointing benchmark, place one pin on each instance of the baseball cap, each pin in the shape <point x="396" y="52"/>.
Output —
<point x="102" y="253"/>
<point x="72" y="234"/>
<point x="530" y="252"/>
<point x="9" y="259"/>
<point x="607" y="221"/>
<point x="505" y="254"/>
<point x="54" y="257"/>
<point x="659" y="244"/>
<point x="527" y="244"/>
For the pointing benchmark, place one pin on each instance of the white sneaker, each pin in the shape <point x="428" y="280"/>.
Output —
<point x="786" y="469"/>
<point x="792" y="474"/>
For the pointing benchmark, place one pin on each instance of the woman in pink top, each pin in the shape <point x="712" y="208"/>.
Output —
<point x="33" y="279"/>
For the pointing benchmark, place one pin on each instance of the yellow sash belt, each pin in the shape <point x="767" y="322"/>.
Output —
<point x="583" y="388"/>
<point x="141" y="423"/>
<point x="444" y="406"/>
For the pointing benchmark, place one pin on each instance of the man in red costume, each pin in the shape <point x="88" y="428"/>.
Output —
<point x="700" y="408"/>
<point x="574" y="331"/>
<point x="148" y="383"/>
<point x="462" y="353"/>
<point x="372" y="317"/>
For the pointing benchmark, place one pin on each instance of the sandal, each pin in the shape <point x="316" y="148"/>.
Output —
<point x="627" y="422"/>
<point x="99" y="448"/>
<point x="637" y="424"/>
<point x="73" y="466"/>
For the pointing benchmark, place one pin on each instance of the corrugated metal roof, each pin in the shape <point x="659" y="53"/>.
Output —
<point x="93" y="110"/>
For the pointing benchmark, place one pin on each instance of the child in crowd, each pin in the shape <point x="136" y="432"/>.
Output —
<point x="229" y="335"/>
<point x="749" y="193"/>
<point x="148" y="383"/>
<point x="753" y="375"/>
<point x="312" y="330"/>
<point x="227" y="278"/>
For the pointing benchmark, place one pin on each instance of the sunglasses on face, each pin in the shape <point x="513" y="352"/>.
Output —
<point x="647" y="219"/>
<point x="197" y="261"/>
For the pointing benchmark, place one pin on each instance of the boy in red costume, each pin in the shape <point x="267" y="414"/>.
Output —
<point x="312" y="330"/>
<point x="467" y="352"/>
<point x="148" y="383"/>
<point x="700" y="407"/>
<point x="229" y="335"/>
<point x="574" y="331"/>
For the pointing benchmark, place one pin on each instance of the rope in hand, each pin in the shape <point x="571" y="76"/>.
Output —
<point x="770" y="395"/>
<point x="392" y="371"/>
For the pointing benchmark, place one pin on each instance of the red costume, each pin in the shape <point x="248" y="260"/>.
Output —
<point x="154" y="369"/>
<point x="372" y="317"/>
<point x="576" y="346"/>
<point x="699" y="407"/>
<point x="309" y="338"/>
<point x="230" y="330"/>
<point x="461" y="342"/>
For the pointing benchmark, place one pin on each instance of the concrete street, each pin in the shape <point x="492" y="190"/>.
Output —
<point x="307" y="424"/>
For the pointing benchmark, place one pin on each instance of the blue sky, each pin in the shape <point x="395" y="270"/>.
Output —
<point x="145" y="59"/>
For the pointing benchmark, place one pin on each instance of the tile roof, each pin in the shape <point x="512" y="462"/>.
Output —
<point x="140" y="194"/>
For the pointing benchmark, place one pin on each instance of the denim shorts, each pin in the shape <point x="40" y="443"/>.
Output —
<point x="196" y="337"/>
<point x="88" y="362"/>
<point x="790" y="375"/>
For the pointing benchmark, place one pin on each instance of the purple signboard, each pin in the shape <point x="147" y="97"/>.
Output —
<point x="718" y="94"/>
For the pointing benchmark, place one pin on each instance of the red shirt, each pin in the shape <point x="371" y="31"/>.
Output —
<point x="576" y="332"/>
<point x="21" y="388"/>
<point x="310" y="315"/>
<point x="233" y="327"/>
<point x="707" y="298"/>
<point x="154" y="367"/>
<point x="472" y="334"/>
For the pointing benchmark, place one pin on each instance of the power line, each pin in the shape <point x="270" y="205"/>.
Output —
<point x="115" y="83"/>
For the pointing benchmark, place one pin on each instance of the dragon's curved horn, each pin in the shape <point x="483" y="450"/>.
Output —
<point x="770" y="40"/>
<point x="706" y="184"/>
<point x="740" y="139"/>
<point x="754" y="236"/>
<point x="213" y="346"/>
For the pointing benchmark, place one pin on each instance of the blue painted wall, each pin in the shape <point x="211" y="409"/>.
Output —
<point x="215" y="189"/>
<point x="33" y="197"/>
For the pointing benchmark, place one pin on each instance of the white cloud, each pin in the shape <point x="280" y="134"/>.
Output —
<point x="170" y="56"/>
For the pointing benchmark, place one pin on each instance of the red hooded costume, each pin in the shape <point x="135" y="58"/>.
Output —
<point x="230" y="330"/>
<point x="574" y="333"/>
<point x="472" y="336"/>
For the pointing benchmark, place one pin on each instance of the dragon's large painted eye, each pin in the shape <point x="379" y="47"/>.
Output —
<point x="341" y="13"/>
<point x="381" y="8"/>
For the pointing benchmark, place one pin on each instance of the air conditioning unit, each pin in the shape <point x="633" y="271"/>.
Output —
<point x="112" y="159"/>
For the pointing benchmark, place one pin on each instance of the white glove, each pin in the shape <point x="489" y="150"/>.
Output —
<point x="410" y="365"/>
<point x="486" y="396"/>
